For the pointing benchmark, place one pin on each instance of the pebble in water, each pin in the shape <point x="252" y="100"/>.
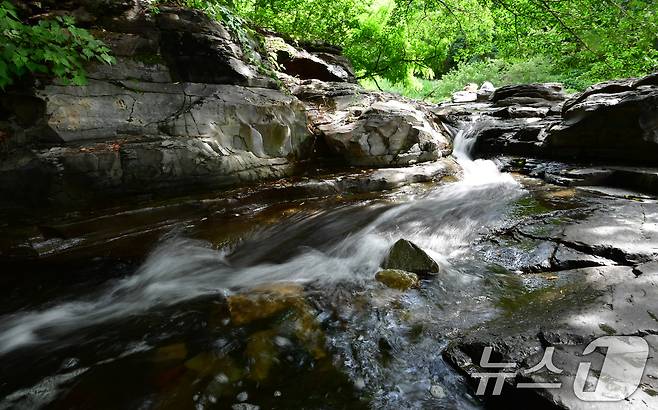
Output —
<point x="437" y="391"/>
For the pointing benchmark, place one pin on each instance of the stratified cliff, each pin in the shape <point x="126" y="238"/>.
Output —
<point x="188" y="107"/>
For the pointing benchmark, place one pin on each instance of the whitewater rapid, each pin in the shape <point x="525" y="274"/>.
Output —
<point x="444" y="223"/>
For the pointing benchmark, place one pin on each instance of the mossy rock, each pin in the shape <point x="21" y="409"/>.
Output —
<point x="262" y="354"/>
<point x="398" y="279"/>
<point x="264" y="302"/>
<point x="407" y="256"/>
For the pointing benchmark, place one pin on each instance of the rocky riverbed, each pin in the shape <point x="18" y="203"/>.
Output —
<point x="269" y="296"/>
<point x="199" y="228"/>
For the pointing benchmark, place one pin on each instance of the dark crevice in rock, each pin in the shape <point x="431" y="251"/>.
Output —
<point x="614" y="254"/>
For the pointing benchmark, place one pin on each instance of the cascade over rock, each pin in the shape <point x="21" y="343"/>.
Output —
<point x="613" y="122"/>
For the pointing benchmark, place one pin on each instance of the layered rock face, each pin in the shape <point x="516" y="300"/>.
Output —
<point x="373" y="129"/>
<point x="187" y="107"/>
<point x="181" y="109"/>
<point x="610" y="122"/>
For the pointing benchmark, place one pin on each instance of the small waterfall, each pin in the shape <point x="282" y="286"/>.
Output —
<point x="479" y="171"/>
<point x="350" y="245"/>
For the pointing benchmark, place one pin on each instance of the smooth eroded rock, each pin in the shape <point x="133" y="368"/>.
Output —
<point x="407" y="256"/>
<point x="398" y="279"/>
<point x="264" y="302"/>
<point x="385" y="133"/>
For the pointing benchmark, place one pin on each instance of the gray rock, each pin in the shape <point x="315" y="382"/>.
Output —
<point x="616" y="121"/>
<point x="521" y="112"/>
<point x="464" y="96"/>
<point x="381" y="133"/>
<point x="566" y="258"/>
<point x="577" y="308"/>
<point x="536" y="95"/>
<point x="623" y="232"/>
<point x="407" y="256"/>
<point x="517" y="136"/>
<point x="184" y="108"/>
<point x="620" y="181"/>
<point x="487" y="87"/>
<point x="485" y="91"/>
<point x="305" y="65"/>
<point x="613" y="121"/>
<point x="370" y="129"/>
<point x="390" y="178"/>
<point x="265" y="122"/>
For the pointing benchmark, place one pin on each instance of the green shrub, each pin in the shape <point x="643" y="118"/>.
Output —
<point x="52" y="47"/>
<point x="499" y="72"/>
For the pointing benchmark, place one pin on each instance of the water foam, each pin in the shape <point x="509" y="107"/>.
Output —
<point x="444" y="223"/>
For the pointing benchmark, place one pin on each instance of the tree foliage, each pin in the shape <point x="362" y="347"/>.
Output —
<point x="51" y="46"/>
<point x="586" y="40"/>
<point x="402" y="41"/>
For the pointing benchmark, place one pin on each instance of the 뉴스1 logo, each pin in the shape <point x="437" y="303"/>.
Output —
<point x="620" y="375"/>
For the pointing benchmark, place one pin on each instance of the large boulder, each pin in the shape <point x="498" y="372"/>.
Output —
<point x="312" y="62"/>
<point x="547" y="94"/>
<point x="263" y="121"/>
<point x="615" y="121"/>
<point x="373" y="129"/>
<point x="389" y="132"/>
<point x="407" y="256"/>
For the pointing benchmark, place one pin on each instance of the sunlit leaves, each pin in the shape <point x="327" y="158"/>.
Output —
<point x="53" y="46"/>
<point x="586" y="40"/>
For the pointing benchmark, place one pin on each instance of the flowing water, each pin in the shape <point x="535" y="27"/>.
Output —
<point x="166" y="334"/>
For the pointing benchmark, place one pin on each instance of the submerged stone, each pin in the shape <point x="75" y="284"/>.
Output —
<point x="173" y="352"/>
<point x="407" y="256"/>
<point x="244" y="406"/>
<point x="264" y="302"/>
<point x="261" y="355"/>
<point x="398" y="279"/>
<point x="437" y="391"/>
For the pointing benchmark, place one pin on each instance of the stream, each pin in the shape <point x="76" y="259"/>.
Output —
<point x="272" y="304"/>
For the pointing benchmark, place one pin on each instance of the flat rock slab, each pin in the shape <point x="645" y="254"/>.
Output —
<point x="594" y="228"/>
<point x="585" y="267"/>
<point x="566" y="313"/>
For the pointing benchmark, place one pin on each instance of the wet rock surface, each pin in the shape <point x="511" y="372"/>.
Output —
<point x="397" y="279"/>
<point x="532" y="280"/>
<point x="569" y="313"/>
<point x="407" y="256"/>
<point x="578" y="257"/>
